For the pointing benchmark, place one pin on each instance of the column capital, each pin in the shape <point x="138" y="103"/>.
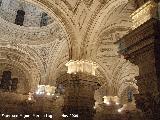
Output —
<point x="81" y="78"/>
<point x="140" y="40"/>
<point x="84" y="66"/>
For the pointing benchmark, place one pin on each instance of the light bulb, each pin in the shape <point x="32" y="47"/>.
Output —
<point x="117" y="103"/>
<point x="119" y="110"/>
<point x="108" y="103"/>
<point x="29" y="98"/>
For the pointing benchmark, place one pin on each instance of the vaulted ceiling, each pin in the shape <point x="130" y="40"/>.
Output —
<point x="83" y="29"/>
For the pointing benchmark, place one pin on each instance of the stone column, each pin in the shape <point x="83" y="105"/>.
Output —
<point x="79" y="95"/>
<point x="142" y="47"/>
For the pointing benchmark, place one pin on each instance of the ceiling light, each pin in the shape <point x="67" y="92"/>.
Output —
<point x="119" y="110"/>
<point x="117" y="103"/>
<point x="29" y="98"/>
<point x="108" y="103"/>
<point x="48" y="94"/>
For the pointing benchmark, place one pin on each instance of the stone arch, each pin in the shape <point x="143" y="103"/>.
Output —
<point x="18" y="71"/>
<point x="20" y="58"/>
<point x="123" y="94"/>
<point x="38" y="61"/>
<point x="54" y="9"/>
<point x="59" y="65"/>
<point x="99" y="22"/>
<point x="102" y="30"/>
<point x="17" y="38"/>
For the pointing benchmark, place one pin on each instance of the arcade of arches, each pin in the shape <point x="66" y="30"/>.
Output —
<point x="79" y="59"/>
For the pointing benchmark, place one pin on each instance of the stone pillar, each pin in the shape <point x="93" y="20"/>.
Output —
<point x="142" y="47"/>
<point x="79" y="95"/>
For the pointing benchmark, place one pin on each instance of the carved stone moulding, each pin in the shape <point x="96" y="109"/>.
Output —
<point x="81" y="66"/>
<point x="145" y="35"/>
<point x="144" y="13"/>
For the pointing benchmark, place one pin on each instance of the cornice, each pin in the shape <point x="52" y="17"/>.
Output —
<point x="145" y="35"/>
